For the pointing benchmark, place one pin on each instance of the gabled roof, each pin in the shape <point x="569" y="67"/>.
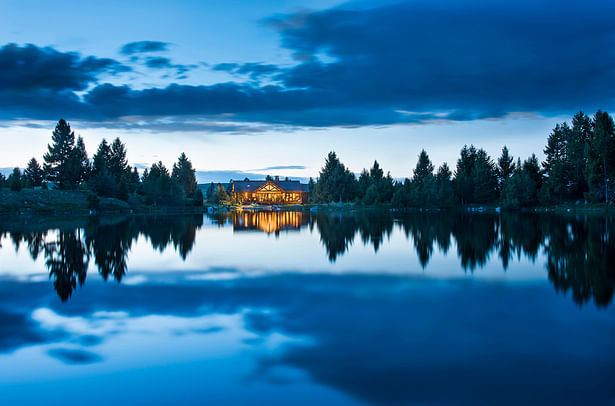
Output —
<point x="285" y="185"/>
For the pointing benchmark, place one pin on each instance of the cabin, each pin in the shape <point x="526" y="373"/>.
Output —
<point x="269" y="191"/>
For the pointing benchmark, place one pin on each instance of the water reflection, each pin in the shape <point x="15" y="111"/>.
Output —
<point x="68" y="252"/>
<point x="268" y="221"/>
<point x="580" y="251"/>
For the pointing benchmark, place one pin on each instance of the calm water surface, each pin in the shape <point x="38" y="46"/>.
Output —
<point x="293" y="308"/>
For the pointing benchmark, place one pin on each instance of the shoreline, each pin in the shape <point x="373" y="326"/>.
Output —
<point x="30" y="202"/>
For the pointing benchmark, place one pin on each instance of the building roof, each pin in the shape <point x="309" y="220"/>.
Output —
<point x="286" y="185"/>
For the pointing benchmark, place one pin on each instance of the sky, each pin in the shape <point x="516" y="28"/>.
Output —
<point x="270" y="87"/>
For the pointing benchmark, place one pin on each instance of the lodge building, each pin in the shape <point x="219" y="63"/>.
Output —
<point x="269" y="191"/>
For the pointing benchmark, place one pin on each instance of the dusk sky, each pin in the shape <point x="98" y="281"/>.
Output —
<point x="269" y="87"/>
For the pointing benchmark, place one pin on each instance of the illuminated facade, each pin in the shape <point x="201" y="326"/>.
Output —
<point x="269" y="192"/>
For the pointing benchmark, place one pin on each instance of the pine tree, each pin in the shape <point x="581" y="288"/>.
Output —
<point x="15" y="182"/>
<point x="600" y="153"/>
<point x="463" y="182"/>
<point x="101" y="179"/>
<point x="102" y="158"/>
<point x="376" y="173"/>
<point x="117" y="159"/>
<point x="79" y="163"/>
<point x="335" y="181"/>
<point x="484" y="178"/>
<point x="34" y="173"/>
<point x="556" y="166"/>
<point x="184" y="174"/>
<point x="575" y="151"/>
<point x="423" y="170"/>
<point x="59" y="154"/>
<point x="444" y="173"/>
<point x="311" y="191"/>
<point x="505" y="167"/>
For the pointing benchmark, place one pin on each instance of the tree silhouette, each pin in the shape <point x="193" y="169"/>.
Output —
<point x="59" y="154"/>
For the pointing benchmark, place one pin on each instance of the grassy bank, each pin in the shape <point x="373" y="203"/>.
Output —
<point x="29" y="201"/>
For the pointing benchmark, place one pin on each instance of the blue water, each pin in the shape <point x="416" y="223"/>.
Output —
<point x="305" y="309"/>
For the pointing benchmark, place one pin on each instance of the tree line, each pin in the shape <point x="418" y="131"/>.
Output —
<point x="579" y="166"/>
<point x="66" y="166"/>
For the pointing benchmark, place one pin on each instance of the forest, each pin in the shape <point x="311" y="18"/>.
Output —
<point x="66" y="166"/>
<point x="579" y="166"/>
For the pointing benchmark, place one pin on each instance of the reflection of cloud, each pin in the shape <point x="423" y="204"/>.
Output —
<point x="17" y="330"/>
<point x="72" y="356"/>
<point x="214" y="276"/>
<point x="384" y="340"/>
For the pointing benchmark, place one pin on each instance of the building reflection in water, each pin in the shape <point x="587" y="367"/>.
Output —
<point x="269" y="221"/>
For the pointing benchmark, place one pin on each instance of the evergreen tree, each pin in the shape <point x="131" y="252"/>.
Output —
<point x="335" y="181"/>
<point x="444" y="187"/>
<point x="198" y="197"/>
<point x="34" y="173"/>
<point x="376" y="173"/>
<point x="484" y="178"/>
<point x="102" y="159"/>
<point x="79" y="163"/>
<point x="556" y="165"/>
<point x="577" y="161"/>
<point x="444" y="173"/>
<point x="102" y="180"/>
<point x="505" y="167"/>
<point x="600" y="155"/>
<point x="15" y="182"/>
<point x="2" y="181"/>
<point x="531" y="167"/>
<point x="424" y="169"/>
<point x="117" y="159"/>
<point x="463" y="174"/>
<point x="160" y="188"/>
<point x="365" y="181"/>
<point x="59" y="155"/>
<point x="184" y="174"/>
<point x="311" y="191"/>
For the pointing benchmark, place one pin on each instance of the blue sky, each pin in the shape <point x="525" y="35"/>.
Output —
<point x="249" y="86"/>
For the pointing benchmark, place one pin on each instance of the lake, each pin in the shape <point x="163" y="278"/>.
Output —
<point x="299" y="308"/>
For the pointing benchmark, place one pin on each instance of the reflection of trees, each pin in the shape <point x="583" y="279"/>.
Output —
<point x="580" y="251"/>
<point x="109" y="242"/>
<point x="337" y="232"/>
<point x="67" y="260"/>
<point x="373" y="228"/>
<point x="582" y="259"/>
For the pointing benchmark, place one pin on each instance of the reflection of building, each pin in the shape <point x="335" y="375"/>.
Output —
<point x="270" y="192"/>
<point x="268" y="221"/>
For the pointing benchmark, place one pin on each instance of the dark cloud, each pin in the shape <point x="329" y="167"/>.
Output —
<point x="140" y="47"/>
<point x="228" y="67"/>
<point x="469" y="59"/>
<point x="30" y="68"/>
<point x="254" y="70"/>
<point x="395" y="63"/>
<point x="74" y="356"/>
<point x="160" y="62"/>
